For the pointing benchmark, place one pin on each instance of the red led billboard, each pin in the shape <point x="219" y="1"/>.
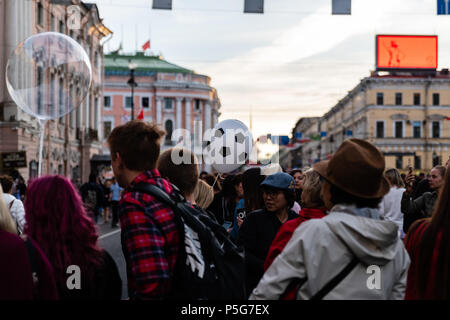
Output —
<point x="406" y="52"/>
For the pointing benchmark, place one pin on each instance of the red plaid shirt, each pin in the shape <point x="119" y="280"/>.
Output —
<point x="149" y="239"/>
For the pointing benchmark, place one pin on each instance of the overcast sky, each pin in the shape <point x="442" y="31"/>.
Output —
<point x="295" y="60"/>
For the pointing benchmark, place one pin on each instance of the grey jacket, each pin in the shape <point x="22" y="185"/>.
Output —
<point x="421" y="207"/>
<point x="321" y="248"/>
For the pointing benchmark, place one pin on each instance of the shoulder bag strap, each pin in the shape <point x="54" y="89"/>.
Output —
<point x="336" y="280"/>
<point x="11" y="204"/>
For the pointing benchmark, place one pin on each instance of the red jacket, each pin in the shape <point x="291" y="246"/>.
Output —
<point x="286" y="231"/>
<point x="412" y="243"/>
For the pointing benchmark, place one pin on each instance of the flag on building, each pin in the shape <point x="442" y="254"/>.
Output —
<point x="443" y="7"/>
<point x="341" y="7"/>
<point x="315" y="137"/>
<point x="146" y="46"/>
<point x="141" y="115"/>
<point x="323" y="134"/>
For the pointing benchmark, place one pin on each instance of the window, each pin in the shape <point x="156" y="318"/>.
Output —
<point x="53" y="22"/>
<point x="380" y="98"/>
<point x="128" y="102"/>
<point x="107" y="101"/>
<point x="40" y="14"/>
<point x="417" y="99"/>
<point x="197" y="105"/>
<point x="436" y="159"/>
<point x="399" y="162"/>
<point x="435" y="129"/>
<point x="417" y="129"/>
<point x="145" y="102"/>
<point x="435" y="99"/>
<point x="169" y="128"/>
<point x="61" y="27"/>
<point x="398" y="129"/>
<point x="398" y="99"/>
<point x="168" y="103"/>
<point x="380" y="129"/>
<point x="40" y="77"/>
<point x="107" y="127"/>
<point x="417" y="163"/>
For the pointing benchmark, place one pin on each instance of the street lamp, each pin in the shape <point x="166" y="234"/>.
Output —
<point x="132" y="66"/>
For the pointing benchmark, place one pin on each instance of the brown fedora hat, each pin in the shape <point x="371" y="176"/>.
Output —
<point x="357" y="167"/>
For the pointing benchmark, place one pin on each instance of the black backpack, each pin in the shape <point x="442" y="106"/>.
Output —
<point x="209" y="266"/>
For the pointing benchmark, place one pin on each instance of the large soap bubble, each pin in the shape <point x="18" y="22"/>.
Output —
<point x="48" y="75"/>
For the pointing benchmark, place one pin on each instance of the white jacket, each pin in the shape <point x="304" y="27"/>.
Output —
<point x="321" y="248"/>
<point x="390" y="207"/>
<point x="17" y="210"/>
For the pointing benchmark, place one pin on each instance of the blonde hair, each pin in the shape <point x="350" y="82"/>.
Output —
<point x="312" y="187"/>
<point x="394" y="178"/>
<point x="203" y="194"/>
<point x="6" y="220"/>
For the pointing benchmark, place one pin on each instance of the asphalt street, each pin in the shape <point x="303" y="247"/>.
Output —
<point x="109" y="239"/>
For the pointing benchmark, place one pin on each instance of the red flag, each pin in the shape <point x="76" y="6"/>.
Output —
<point x="141" y="115"/>
<point x="448" y="118"/>
<point x="146" y="45"/>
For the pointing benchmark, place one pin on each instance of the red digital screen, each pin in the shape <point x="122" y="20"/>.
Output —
<point x="406" y="52"/>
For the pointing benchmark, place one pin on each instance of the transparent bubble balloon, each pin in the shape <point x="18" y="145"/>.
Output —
<point x="48" y="75"/>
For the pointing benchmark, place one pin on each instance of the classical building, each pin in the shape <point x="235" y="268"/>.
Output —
<point x="72" y="141"/>
<point x="405" y="115"/>
<point x="167" y="94"/>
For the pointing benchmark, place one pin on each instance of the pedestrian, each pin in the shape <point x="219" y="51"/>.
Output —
<point x="252" y="200"/>
<point x="14" y="205"/>
<point x="421" y="207"/>
<point x="203" y="195"/>
<point x="313" y="208"/>
<point x="203" y="175"/>
<point x="428" y="245"/>
<point x="183" y="175"/>
<point x="298" y="176"/>
<point x="150" y="238"/>
<point x="57" y="220"/>
<point x="106" y="200"/>
<point x="332" y="257"/>
<point x="116" y="194"/>
<point x="225" y="202"/>
<point x="92" y="195"/>
<point x="390" y="205"/>
<point x="25" y="272"/>
<point x="261" y="226"/>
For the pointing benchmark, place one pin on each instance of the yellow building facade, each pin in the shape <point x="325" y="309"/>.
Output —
<point x="403" y="115"/>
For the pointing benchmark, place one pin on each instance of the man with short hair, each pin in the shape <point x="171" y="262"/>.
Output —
<point x="180" y="167"/>
<point x="150" y="238"/>
<point x="14" y="205"/>
<point x="93" y="196"/>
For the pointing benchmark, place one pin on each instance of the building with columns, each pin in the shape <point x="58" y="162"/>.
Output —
<point x="70" y="142"/>
<point x="169" y="95"/>
<point x="406" y="115"/>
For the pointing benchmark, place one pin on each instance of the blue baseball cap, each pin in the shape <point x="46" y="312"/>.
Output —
<point x="279" y="180"/>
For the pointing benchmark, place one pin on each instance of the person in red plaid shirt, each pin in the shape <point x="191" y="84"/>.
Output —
<point x="150" y="239"/>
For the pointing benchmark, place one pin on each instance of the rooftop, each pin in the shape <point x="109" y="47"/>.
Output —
<point x="119" y="62"/>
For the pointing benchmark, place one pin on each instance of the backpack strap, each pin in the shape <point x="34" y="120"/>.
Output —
<point x="336" y="280"/>
<point x="155" y="191"/>
<point x="11" y="204"/>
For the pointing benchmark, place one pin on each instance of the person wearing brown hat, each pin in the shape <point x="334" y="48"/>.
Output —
<point x="351" y="253"/>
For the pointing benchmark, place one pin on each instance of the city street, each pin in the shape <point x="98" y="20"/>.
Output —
<point x="109" y="239"/>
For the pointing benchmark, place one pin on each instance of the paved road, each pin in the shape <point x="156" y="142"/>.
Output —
<point x="110" y="241"/>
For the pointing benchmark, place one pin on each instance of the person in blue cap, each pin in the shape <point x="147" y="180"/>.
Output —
<point x="261" y="226"/>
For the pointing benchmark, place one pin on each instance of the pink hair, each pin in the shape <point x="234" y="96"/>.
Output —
<point x="57" y="220"/>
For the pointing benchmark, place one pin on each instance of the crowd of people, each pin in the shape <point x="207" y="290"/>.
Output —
<point x="311" y="233"/>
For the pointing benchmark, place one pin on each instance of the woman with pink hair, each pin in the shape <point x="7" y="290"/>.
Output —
<point x="56" y="219"/>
